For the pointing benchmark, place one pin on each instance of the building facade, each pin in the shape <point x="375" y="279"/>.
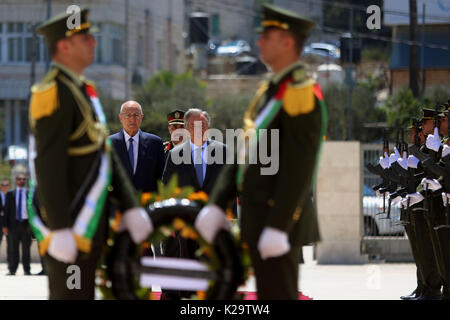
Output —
<point x="137" y="38"/>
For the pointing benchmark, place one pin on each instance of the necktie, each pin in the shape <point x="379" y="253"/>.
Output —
<point x="19" y="210"/>
<point x="198" y="165"/>
<point x="131" y="154"/>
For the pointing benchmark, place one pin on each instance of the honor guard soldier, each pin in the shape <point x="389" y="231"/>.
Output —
<point x="75" y="171"/>
<point x="175" y="120"/>
<point x="277" y="210"/>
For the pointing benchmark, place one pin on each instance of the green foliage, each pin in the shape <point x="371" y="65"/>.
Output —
<point x="364" y="110"/>
<point x="402" y="106"/>
<point x="375" y="54"/>
<point x="165" y="92"/>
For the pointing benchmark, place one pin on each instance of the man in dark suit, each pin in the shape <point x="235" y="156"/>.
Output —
<point x="4" y="188"/>
<point x="141" y="153"/>
<point x="197" y="163"/>
<point x="17" y="226"/>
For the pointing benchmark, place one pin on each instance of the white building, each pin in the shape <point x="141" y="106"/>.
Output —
<point x="137" y="38"/>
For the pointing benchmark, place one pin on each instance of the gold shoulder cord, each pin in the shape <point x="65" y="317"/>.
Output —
<point x="249" y="115"/>
<point x="96" y="132"/>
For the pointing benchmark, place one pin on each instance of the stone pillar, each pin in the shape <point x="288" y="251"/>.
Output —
<point x="339" y="203"/>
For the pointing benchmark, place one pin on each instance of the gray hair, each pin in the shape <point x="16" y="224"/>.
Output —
<point x="130" y="102"/>
<point x="196" y="111"/>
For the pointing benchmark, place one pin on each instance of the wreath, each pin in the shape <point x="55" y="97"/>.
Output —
<point x="173" y="209"/>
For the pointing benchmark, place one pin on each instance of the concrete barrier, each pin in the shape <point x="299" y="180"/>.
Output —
<point x="339" y="205"/>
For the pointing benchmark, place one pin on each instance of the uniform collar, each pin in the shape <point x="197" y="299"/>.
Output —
<point x="281" y="74"/>
<point x="77" y="79"/>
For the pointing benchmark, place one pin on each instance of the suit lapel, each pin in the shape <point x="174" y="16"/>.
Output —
<point x="123" y="153"/>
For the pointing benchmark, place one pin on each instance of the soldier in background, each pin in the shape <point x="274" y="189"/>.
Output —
<point x="175" y="121"/>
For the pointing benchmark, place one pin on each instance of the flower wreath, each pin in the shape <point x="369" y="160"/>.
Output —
<point x="173" y="209"/>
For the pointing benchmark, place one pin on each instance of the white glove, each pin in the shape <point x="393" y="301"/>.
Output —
<point x="444" y="198"/>
<point x="394" y="156"/>
<point x="138" y="224"/>
<point x="210" y="220"/>
<point x="413" y="199"/>
<point x="273" y="243"/>
<point x="62" y="246"/>
<point x="433" y="140"/>
<point x="403" y="162"/>
<point x="445" y="151"/>
<point x="396" y="200"/>
<point x="413" y="162"/>
<point x="431" y="184"/>
<point x="380" y="195"/>
<point x="384" y="161"/>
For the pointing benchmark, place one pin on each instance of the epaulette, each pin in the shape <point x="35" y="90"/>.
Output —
<point x="44" y="99"/>
<point x="299" y="95"/>
<point x="89" y="82"/>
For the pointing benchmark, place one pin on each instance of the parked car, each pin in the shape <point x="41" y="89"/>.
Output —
<point x="211" y="47"/>
<point x="374" y="223"/>
<point x="322" y="50"/>
<point x="234" y="48"/>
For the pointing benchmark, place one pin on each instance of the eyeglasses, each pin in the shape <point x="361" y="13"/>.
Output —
<point x="21" y="179"/>
<point x="129" y="115"/>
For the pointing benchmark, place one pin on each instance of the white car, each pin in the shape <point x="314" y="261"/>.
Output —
<point x="234" y="48"/>
<point x="374" y="224"/>
<point x="323" y="50"/>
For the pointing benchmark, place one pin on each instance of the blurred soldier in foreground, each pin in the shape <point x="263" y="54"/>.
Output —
<point x="274" y="221"/>
<point x="76" y="170"/>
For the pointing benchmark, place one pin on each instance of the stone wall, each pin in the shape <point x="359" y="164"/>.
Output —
<point x="339" y="203"/>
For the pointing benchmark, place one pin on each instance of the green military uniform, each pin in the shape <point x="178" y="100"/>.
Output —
<point x="282" y="200"/>
<point x="68" y="140"/>
<point x="173" y="246"/>
<point x="425" y="241"/>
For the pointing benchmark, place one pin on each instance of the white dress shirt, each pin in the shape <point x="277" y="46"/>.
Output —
<point x="204" y="155"/>
<point x="24" y="202"/>
<point x="135" y="146"/>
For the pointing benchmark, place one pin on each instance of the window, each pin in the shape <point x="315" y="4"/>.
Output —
<point x="109" y="48"/>
<point x="16" y="41"/>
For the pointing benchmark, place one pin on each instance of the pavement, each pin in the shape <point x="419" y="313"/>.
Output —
<point x="374" y="281"/>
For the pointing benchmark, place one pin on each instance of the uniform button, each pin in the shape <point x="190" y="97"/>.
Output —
<point x="110" y="188"/>
<point x="271" y="202"/>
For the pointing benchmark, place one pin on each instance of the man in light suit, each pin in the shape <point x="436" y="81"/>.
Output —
<point x="201" y="162"/>
<point x="17" y="226"/>
<point x="141" y="153"/>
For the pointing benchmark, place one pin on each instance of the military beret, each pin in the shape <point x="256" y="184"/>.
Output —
<point x="175" y="117"/>
<point x="276" y="17"/>
<point x="61" y="26"/>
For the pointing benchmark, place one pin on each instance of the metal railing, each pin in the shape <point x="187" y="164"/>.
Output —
<point x="382" y="238"/>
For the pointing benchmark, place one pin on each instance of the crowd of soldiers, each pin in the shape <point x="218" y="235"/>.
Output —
<point x="420" y="184"/>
